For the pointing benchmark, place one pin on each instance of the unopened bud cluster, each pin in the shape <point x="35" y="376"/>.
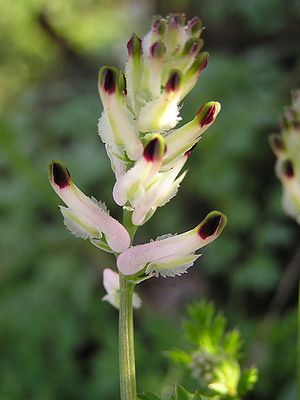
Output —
<point x="147" y="151"/>
<point x="286" y="147"/>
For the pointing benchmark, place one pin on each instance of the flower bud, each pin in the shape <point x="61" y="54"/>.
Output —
<point x="195" y="26"/>
<point x="116" y="127"/>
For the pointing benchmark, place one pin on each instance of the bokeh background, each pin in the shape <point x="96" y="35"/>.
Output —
<point x="58" y="339"/>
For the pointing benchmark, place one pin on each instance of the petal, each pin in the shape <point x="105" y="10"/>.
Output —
<point x="116" y="235"/>
<point x="133" y="70"/>
<point x="152" y="71"/>
<point x="192" y="74"/>
<point x="136" y="301"/>
<point x="79" y="224"/>
<point x="110" y="280"/>
<point x="121" y="121"/>
<point x="136" y="258"/>
<point x="172" y="265"/>
<point x="111" y="285"/>
<point x="118" y="164"/>
<point x="182" y="139"/>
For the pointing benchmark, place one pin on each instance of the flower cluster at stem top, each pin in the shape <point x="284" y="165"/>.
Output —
<point x="146" y="149"/>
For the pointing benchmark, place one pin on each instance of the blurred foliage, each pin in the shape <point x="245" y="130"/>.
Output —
<point x="212" y="354"/>
<point x="58" y="341"/>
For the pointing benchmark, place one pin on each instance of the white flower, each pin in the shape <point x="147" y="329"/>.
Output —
<point x="173" y="255"/>
<point x="85" y="217"/>
<point x="112" y="286"/>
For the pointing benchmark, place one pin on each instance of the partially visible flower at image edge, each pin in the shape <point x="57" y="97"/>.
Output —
<point x="286" y="147"/>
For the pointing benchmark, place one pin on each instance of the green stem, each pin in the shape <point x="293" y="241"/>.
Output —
<point x="126" y="341"/>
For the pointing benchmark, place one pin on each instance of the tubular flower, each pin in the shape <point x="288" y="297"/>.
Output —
<point x="86" y="217"/>
<point x="172" y="255"/>
<point x="286" y="147"/>
<point x="141" y="110"/>
<point x="112" y="286"/>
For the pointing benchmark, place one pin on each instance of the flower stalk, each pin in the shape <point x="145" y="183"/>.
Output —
<point x="126" y="340"/>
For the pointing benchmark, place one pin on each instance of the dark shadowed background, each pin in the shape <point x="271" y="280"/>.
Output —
<point x="58" y="340"/>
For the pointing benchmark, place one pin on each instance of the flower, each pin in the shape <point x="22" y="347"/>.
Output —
<point x="173" y="255"/>
<point x="286" y="147"/>
<point x="86" y="217"/>
<point x="112" y="286"/>
<point x="141" y="111"/>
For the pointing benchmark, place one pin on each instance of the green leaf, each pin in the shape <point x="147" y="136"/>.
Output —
<point x="247" y="380"/>
<point x="178" y="356"/>
<point x="182" y="394"/>
<point x="148" y="396"/>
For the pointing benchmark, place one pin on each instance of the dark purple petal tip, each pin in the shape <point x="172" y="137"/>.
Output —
<point x="208" y="117"/>
<point x="195" y="24"/>
<point x="154" y="149"/>
<point x="158" y="50"/>
<point x="288" y="169"/>
<point x="60" y="174"/>
<point x="108" y="80"/>
<point x="176" y="20"/>
<point x="173" y="82"/>
<point x="210" y="226"/>
<point x="192" y="47"/>
<point x="150" y="149"/>
<point x="158" y="25"/>
<point x="134" y="45"/>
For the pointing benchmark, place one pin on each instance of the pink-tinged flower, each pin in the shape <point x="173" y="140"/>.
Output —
<point x="112" y="286"/>
<point x="86" y="217"/>
<point x="172" y="255"/>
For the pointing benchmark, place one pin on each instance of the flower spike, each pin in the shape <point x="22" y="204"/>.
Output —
<point x="85" y="217"/>
<point x="173" y="255"/>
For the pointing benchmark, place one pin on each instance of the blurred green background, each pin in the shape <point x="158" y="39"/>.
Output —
<point x="57" y="339"/>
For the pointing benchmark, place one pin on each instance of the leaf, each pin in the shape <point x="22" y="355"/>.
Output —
<point x="148" y="396"/>
<point x="247" y="380"/>
<point x="182" y="394"/>
<point x="179" y="357"/>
